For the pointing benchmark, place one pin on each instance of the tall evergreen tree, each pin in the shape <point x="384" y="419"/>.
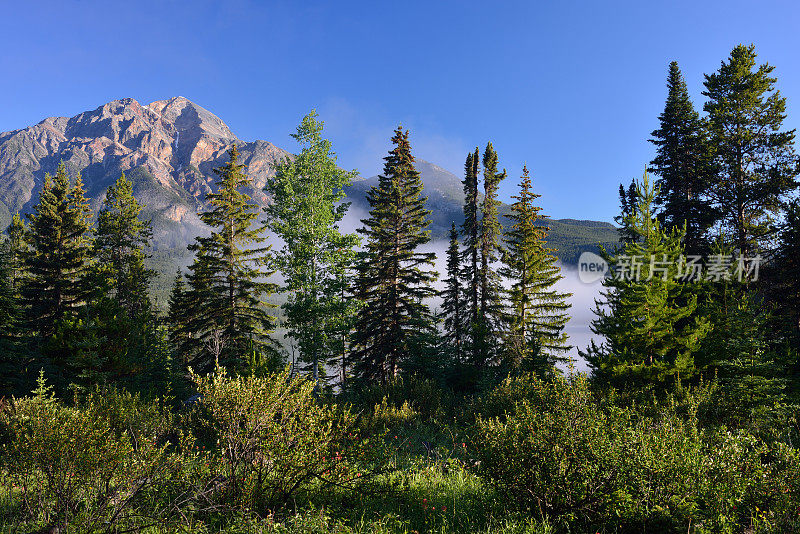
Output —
<point x="755" y="160"/>
<point x="682" y="164"/>
<point x="536" y="340"/>
<point x="179" y="332"/>
<point x="59" y="251"/>
<point x="306" y="209"/>
<point x="470" y="256"/>
<point x="119" y="249"/>
<point x="627" y="205"/>
<point x="454" y="309"/>
<point x="117" y="340"/>
<point x="649" y="319"/>
<point x="489" y="327"/>
<point x="227" y="316"/>
<point x="394" y="278"/>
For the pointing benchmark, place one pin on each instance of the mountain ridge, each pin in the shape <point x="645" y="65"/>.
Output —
<point x="169" y="148"/>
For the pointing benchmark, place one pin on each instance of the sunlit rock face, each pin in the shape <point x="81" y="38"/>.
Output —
<point x="169" y="149"/>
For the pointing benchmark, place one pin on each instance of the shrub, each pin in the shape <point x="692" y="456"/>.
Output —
<point x="557" y="453"/>
<point x="274" y="440"/>
<point x="73" y="470"/>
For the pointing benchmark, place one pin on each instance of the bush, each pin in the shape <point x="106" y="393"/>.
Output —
<point x="74" y="471"/>
<point x="274" y="440"/>
<point x="557" y="453"/>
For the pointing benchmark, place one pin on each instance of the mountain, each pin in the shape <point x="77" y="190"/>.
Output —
<point x="169" y="149"/>
<point x="570" y="237"/>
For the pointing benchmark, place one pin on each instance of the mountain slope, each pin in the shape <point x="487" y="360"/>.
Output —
<point x="445" y="194"/>
<point x="169" y="149"/>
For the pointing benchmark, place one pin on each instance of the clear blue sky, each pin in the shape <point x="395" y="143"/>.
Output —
<point x="570" y="88"/>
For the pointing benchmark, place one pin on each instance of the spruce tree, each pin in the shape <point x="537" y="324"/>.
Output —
<point x="226" y="314"/>
<point x="119" y="248"/>
<point x="649" y="318"/>
<point x="453" y="300"/>
<point x="58" y="256"/>
<point x="394" y="277"/>
<point x="538" y="312"/>
<point x="682" y="164"/>
<point x="117" y="340"/>
<point x="470" y="256"/>
<point x="627" y="204"/>
<point x="489" y="326"/>
<point x="305" y="212"/>
<point x="755" y="161"/>
<point x="180" y="336"/>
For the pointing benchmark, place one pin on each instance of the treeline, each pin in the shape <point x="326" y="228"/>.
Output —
<point x="75" y="296"/>
<point x="359" y="307"/>
<point x="716" y="292"/>
<point x="397" y="415"/>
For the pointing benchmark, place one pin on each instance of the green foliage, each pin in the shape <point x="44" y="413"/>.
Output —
<point x="683" y="165"/>
<point x="537" y="312"/>
<point x="275" y="439"/>
<point x="648" y="319"/>
<point x="739" y="351"/>
<point x="756" y="165"/>
<point x="562" y="456"/>
<point x="454" y="305"/>
<point x="85" y="469"/>
<point x="316" y="258"/>
<point x="119" y="250"/>
<point x="59" y="251"/>
<point x="394" y="277"/>
<point x="489" y="326"/>
<point x="222" y="315"/>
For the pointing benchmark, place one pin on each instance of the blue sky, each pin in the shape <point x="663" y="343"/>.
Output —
<point x="570" y="88"/>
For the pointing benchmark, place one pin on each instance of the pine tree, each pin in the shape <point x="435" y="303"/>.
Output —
<point x="488" y="330"/>
<point x="119" y="249"/>
<point x="470" y="256"/>
<point x="59" y="251"/>
<point x="10" y="315"/>
<point x="306" y="209"/>
<point x="682" y="163"/>
<point x="394" y="278"/>
<point x="756" y="162"/>
<point x="536" y="340"/>
<point x="227" y="316"/>
<point x="627" y="204"/>
<point x="453" y="306"/>
<point x="116" y="341"/>
<point x="649" y="319"/>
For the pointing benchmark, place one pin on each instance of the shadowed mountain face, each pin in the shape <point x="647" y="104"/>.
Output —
<point x="169" y="149"/>
<point x="570" y="237"/>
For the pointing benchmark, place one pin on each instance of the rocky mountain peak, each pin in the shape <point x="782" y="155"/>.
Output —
<point x="171" y="147"/>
